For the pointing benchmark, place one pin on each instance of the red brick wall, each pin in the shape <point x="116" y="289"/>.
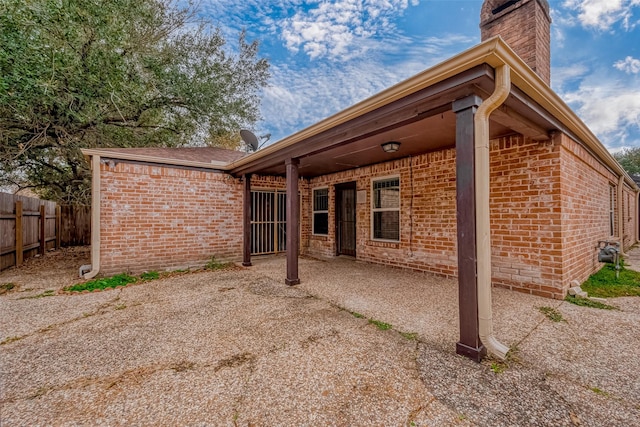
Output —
<point x="525" y="215"/>
<point x="158" y="218"/>
<point x="585" y="210"/>
<point x="525" y="210"/>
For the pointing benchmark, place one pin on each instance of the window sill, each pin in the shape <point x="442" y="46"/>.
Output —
<point x="394" y="244"/>
<point x="320" y="237"/>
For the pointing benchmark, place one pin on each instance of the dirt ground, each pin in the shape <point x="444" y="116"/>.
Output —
<point x="239" y="347"/>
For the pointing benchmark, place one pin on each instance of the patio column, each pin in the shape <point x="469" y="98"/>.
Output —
<point x="293" y="222"/>
<point x="246" y="220"/>
<point x="469" y="344"/>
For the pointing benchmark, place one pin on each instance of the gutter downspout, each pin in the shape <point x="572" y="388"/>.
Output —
<point x="621" y="213"/>
<point x="95" y="218"/>
<point x="483" y="223"/>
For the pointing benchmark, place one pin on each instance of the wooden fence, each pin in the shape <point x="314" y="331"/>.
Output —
<point x="30" y="226"/>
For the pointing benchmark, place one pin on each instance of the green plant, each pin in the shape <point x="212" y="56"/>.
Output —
<point x="498" y="367"/>
<point x="411" y="336"/>
<point x="380" y="325"/>
<point x="585" y="302"/>
<point x="214" y="264"/>
<point x="9" y="340"/>
<point x="103" y="283"/>
<point x="120" y="307"/>
<point x="6" y="287"/>
<point x="552" y="314"/>
<point x="150" y="275"/>
<point x="47" y="293"/>
<point x="358" y="315"/>
<point x="604" y="283"/>
<point x="601" y="392"/>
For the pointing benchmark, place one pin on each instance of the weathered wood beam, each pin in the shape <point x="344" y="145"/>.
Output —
<point x="469" y="344"/>
<point x="513" y="120"/>
<point x="293" y="221"/>
<point x="246" y="220"/>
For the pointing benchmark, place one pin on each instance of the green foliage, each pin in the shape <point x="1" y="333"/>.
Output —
<point x="585" y="302"/>
<point x="498" y="367"/>
<point x="599" y="391"/>
<point x="604" y="283"/>
<point x="104" y="283"/>
<point x="121" y="73"/>
<point x="10" y="340"/>
<point x="380" y="325"/>
<point x="214" y="264"/>
<point x="411" y="336"/>
<point x="6" y="287"/>
<point x="358" y="315"/>
<point x="150" y="275"/>
<point x="552" y="314"/>
<point x="629" y="159"/>
<point x="47" y="293"/>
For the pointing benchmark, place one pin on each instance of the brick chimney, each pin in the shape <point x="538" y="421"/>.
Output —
<point x="526" y="26"/>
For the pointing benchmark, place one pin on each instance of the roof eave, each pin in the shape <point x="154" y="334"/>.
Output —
<point x="89" y="152"/>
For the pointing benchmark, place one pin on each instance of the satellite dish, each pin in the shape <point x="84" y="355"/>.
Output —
<point x="250" y="139"/>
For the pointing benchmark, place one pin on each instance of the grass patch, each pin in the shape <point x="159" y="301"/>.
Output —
<point x="9" y="340"/>
<point x="150" y="275"/>
<point x="215" y="264"/>
<point x="552" y="314"/>
<point x="358" y="315"/>
<point x="6" y="287"/>
<point x="381" y="325"/>
<point x="47" y="293"/>
<point x="584" y="302"/>
<point x="604" y="284"/>
<point x="498" y="367"/>
<point x="411" y="336"/>
<point x="596" y="390"/>
<point x="104" y="283"/>
<point x="120" y="307"/>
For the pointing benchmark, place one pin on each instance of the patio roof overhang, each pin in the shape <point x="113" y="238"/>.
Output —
<point x="418" y="113"/>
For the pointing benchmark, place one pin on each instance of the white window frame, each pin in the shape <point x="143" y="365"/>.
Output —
<point x="314" y="211"/>
<point x="374" y="209"/>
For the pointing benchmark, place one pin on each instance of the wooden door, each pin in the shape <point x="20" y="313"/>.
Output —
<point x="346" y="219"/>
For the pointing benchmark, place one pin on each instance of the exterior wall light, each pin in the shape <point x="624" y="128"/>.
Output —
<point x="391" y="146"/>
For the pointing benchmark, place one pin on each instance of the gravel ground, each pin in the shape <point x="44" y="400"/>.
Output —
<point x="238" y="347"/>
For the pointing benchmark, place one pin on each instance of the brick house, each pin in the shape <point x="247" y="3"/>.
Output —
<point x="473" y="168"/>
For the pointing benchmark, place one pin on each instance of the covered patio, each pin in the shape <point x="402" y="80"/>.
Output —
<point x="482" y="94"/>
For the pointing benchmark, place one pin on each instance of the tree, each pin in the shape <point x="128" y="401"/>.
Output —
<point x="120" y="73"/>
<point x="629" y="158"/>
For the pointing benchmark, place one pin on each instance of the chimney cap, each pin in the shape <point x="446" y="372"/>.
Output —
<point x="493" y="9"/>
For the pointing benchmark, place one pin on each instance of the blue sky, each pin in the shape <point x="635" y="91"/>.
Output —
<point x="327" y="55"/>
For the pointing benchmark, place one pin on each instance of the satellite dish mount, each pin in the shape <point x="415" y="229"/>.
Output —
<point x="251" y="140"/>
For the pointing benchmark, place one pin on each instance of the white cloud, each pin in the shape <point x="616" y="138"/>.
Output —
<point x="562" y="76"/>
<point x="628" y="65"/>
<point x="338" y="29"/>
<point x="301" y="96"/>
<point x="603" y="14"/>
<point x="611" y="109"/>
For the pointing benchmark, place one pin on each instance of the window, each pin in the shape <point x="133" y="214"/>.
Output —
<point x="612" y="210"/>
<point x="321" y="211"/>
<point x="386" y="209"/>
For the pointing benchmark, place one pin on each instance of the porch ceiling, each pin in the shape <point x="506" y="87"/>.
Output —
<point x="422" y="121"/>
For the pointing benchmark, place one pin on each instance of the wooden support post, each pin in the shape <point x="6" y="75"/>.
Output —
<point x="293" y="222"/>
<point x="58" y="226"/>
<point x="246" y="221"/>
<point x="19" y="242"/>
<point x="43" y="229"/>
<point x="469" y="344"/>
